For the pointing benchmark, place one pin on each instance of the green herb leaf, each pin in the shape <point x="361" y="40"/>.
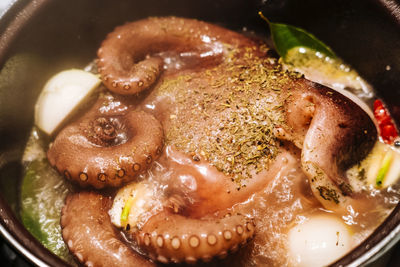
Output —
<point x="286" y="37"/>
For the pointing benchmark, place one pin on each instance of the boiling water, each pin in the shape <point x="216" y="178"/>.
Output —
<point x="281" y="201"/>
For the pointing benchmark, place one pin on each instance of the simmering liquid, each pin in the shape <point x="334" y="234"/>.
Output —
<point x="220" y="153"/>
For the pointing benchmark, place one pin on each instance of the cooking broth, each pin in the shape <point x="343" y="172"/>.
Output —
<point x="283" y="198"/>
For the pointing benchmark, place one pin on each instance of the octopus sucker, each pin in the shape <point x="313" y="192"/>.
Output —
<point x="107" y="151"/>
<point x="132" y="57"/>
<point x="90" y="236"/>
<point x="176" y="238"/>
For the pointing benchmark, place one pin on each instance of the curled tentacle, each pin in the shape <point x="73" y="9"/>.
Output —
<point x="107" y="150"/>
<point x="197" y="188"/>
<point x="132" y="57"/>
<point x="334" y="133"/>
<point x="90" y="236"/>
<point x="175" y="238"/>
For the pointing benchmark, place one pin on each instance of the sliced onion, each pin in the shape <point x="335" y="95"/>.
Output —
<point x="61" y="95"/>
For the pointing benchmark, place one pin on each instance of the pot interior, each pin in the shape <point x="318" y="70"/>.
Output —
<point x="66" y="34"/>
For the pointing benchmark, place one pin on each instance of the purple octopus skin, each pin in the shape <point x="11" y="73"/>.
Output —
<point x="334" y="133"/>
<point x="90" y="236"/>
<point x="130" y="58"/>
<point x="173" y="238"/>
<point x="107" y="150"/>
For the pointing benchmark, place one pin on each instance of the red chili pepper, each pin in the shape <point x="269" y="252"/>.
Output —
<point x="387" y="128"/>
<point x="388" y="132"/>
<point x="382" y="116"/>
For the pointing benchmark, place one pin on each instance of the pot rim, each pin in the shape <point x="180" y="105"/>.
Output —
<point x="23" y="241"/>
<point x="6" y="235"/>
<point x="12" y="21"/>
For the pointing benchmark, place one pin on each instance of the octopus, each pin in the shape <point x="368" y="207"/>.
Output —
<point x="208" y="118"/>
<point x="124" y="147"/>
<point x="94" y="218"/>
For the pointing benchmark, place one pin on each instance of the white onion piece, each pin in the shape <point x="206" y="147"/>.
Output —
<point x="373" y="164"/>
<point x="61" y="95"/>
<point x="319" y="241"/>
<point x="143" y="201"/>
<point x="393" y="174"/>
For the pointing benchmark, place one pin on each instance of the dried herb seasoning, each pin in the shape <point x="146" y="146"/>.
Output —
<point x="229" y="118"/>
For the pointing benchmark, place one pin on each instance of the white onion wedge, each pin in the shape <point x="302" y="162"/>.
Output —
<point x="381" y="167"/>
<point x="393" y="173"/>
<point x="140" y="199"/>
<point x="319" y="241"/>
<point x="61" y="95"/>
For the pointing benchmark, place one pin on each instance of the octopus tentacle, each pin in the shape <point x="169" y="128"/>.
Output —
<point x="130" y="59"/>
<point x="107" y="150"/>
<point x="334" y="133"/>
<point x="196" y="188"/>
<point x="90" y="236"/>
<point x="174" y="238"/>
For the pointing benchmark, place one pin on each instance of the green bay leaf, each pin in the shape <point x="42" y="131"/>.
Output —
<point x="286" y="37"/>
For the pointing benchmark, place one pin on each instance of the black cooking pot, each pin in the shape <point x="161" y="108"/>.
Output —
<point x="41" y="37"/>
